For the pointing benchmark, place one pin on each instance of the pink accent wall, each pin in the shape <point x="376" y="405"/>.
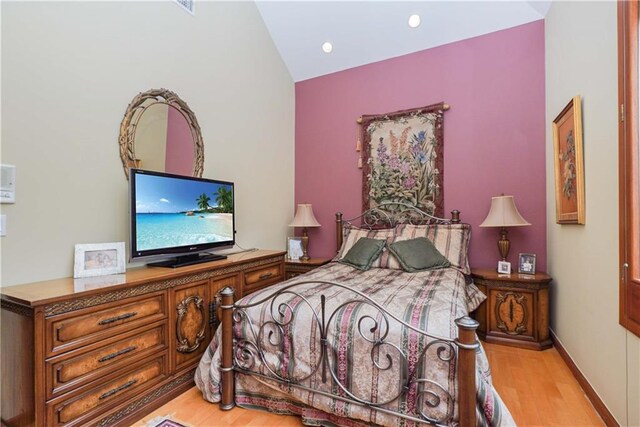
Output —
<point x="494" y="134"/>
<point x="180" y="150"/>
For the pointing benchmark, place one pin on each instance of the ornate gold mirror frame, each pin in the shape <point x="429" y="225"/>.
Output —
<point x="132" y="116"/>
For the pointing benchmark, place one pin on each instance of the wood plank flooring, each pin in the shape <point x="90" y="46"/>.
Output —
<point x="536" y="386"/>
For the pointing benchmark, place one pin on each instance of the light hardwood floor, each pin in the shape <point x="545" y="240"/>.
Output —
<point x="537" y="387"/>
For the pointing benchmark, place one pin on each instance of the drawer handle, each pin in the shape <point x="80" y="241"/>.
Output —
<point x="117" y="353"/>
<point x="115" y="319"/>
<point x="266" y="275"/>
<point x="117" y="389"/>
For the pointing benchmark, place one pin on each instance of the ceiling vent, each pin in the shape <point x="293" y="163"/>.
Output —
<point x="188" y="5"/>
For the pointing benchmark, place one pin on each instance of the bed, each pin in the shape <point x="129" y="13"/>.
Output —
<point x="346" y="346"/>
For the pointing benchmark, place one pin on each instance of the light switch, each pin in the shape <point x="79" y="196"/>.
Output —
<point x="3" y="225"/>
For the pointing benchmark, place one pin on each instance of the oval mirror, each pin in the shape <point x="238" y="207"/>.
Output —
<point x="160" y="132"/>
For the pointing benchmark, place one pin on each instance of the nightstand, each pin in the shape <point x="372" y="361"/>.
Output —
<point x="516" y="311"/>
<point x="296" y="268"/>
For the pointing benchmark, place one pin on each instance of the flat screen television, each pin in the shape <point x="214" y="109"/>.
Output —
<point x="181" y="215"/>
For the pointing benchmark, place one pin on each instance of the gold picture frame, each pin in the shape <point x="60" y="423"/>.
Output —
<point x="569" y="164"/>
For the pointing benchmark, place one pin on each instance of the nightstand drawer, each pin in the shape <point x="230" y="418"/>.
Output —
<point x="296" y="268"/>
<point x="512" y="313"/>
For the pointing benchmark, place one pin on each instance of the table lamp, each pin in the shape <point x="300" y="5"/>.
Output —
<point x="503" y="214"/>
<point x="304" y="218"/>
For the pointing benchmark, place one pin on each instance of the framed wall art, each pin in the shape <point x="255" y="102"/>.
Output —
<point x="98" y="259"/>
<point x="569" y="164"/>
<point x="402" y="158"/>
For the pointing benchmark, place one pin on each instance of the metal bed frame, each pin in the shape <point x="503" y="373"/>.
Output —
<point x="265" y="342"/>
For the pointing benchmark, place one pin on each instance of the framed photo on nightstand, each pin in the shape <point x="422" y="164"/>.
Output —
<point x="294" y="248"/>
<point x="527" y="264"/>
<point x="504" y="267"/>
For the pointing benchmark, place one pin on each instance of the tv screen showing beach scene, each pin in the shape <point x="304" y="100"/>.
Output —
<point x="172" y="212"/>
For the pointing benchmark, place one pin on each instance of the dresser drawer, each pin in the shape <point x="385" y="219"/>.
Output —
<point x="69" y="372"/>
<point x="262" y="277"/>
<point x="79" y="409"/>
<point x="90" y="325"/>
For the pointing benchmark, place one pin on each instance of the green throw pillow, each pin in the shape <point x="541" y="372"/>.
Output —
<point x="418" y="255"/>
<point x="363" y="253"/>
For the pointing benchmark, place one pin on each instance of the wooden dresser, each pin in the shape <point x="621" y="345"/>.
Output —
<point x="105" y="351"/>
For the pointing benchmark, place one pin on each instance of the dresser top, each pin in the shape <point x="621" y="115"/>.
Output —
<point x="40" y="293"/>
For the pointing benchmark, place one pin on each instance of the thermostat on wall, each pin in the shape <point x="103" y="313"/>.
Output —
<point x="7" y="184"/>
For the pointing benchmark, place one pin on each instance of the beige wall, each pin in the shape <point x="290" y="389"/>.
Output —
<point x="69" y="70"/>
<point x="581" y="59"/>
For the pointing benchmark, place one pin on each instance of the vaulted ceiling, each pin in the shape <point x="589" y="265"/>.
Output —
<point x="362" y="32"/>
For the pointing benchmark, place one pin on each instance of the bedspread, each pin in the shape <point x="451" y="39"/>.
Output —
<point x="371" y="355"/>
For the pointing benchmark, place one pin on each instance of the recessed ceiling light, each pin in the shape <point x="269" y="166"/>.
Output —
<point x="327" y="47"/>
<point x="414" y="21"/>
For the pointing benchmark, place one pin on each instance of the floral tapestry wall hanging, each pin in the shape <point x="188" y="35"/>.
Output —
<point x="568" y="159"/>
<point x="402" y="158"/>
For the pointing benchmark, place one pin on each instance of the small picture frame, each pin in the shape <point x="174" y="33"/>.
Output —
<point x="527" y="264"/>
<point x="504" y="267"/>
<point x="98" y="259"/>
<point x="294" y="248"/>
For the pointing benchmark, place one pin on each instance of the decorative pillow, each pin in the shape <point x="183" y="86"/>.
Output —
<point x="418" y="255"/>
<point x="451" y="240"/>
<point x="351" y="234"/>
<point x="363" y="253"/>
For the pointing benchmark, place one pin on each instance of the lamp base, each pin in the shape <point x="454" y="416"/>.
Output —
<point x="305" y="245"/>
<point x="504" y="244"/>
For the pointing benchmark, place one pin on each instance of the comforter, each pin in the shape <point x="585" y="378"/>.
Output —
<point x="371" y="357"/>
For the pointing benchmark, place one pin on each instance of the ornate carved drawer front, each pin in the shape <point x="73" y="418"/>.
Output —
<point x="82" y="329"/>
<point x="81" y="408"/>
<point x="513" y="312"/>
<point x="264" y="276"/>
<point x="65" y="373"/>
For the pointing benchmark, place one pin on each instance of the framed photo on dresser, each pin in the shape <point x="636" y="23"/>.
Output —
<point x="98" y="259"/>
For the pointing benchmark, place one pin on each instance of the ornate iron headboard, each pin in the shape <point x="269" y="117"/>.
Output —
<point x="388" y="215"/>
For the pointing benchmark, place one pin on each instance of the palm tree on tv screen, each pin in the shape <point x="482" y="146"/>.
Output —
<point x="203" y="202"/>
<point x="224" y="198"/>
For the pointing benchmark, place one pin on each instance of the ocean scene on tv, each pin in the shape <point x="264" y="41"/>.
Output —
<point x="174" y="212"/>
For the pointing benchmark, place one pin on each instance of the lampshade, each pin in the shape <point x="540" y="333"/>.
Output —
<point x="503" y="213"/>
<point x="304" y="217"/>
